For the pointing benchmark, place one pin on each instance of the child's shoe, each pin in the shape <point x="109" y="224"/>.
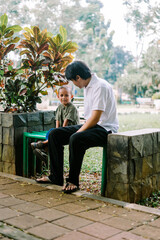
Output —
<point x="38" y="145"/>
<point x="41" y="154"/>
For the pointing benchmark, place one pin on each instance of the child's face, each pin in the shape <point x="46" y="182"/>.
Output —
<point x="64" y="96"/>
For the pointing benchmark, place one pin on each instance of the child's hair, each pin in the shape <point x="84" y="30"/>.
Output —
<point x="65" y="87"/>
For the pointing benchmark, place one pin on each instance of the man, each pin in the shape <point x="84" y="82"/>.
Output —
<point x="101" y="119"/>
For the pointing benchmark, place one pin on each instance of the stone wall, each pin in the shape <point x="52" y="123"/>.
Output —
<point x="12" y="126"/>
<point x="133" y="167"/>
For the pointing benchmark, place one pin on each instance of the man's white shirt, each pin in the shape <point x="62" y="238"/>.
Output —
<point x="98" y="95"/>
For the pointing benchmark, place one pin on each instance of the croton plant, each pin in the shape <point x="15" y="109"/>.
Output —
<point x="44" y="58"/>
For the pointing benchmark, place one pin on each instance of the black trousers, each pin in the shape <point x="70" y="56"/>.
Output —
<point x="78" y="142"/>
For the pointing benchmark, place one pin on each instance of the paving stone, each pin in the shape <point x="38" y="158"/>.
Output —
<point x="74" y="235"/>
<point x="27" y="207"/>
<point x="13" y="192"/>
<point x="71" y="208"/>
<point x="14" y="233"/>
<point x="72" y="222"/>
<point x="121" y="223"/>
<point x="94" y="215"/>
<point x="47" y="231"/>
<point x="89" y="204"/>
<point x="30" y="197"/>
<point x="49" y="214"/>
<point x="126" y="236"/>
<point x="25" y="221"/>
<point x="147" y="231"/>
<point x="155" y="223"/>
<point x="3" y="195"/>
<point x="113" y="210"/>
<point x="49" y="202"/>
<point x="6" y="213"/>
<point x="99" y="230"/>
<point x="139" y="216"/>
<point x="5" y="238"/>
<point x="6" y="180"/>
<point x="10" y="201"/>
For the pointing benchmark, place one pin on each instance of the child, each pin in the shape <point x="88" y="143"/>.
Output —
<point x="66" y="115"/>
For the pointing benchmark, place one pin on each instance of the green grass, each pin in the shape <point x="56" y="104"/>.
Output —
<point x="134" y="121"/>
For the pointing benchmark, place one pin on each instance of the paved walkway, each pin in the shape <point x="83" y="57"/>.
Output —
<point x="30" y="211"/>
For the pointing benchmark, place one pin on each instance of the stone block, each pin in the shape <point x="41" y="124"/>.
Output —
<point x="49" y="126"/>
<point x="147" y="187"/>
<point x="19" y="120"/>
<point x="117" y="191"/>
<point x="156" y="163"/>
<point x="118" y="170"/>
<point x="147" y="167"/>
<point x="8" y="153"/>
<point x="135" y="191"/>
<point x="118" y="146"/>
<point x="34" y="119"/>
<point x="158" y="181"/>
<point x="1" y="134"/>
<point x="8" y="135"/>
<point x="7" y="119"/>
<point x="135" y="169"/>
<point x="0" y="152"/>
<point x="49" y="117"/>
<point x="143" y="142"/>
<point x="1" y="166"/>
<point x="9" y="168"/>
<point x="18" y="132"/>
<point x="36" y="128"/>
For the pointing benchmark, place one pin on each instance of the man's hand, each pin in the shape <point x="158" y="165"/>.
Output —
<point x="92" y="121"/>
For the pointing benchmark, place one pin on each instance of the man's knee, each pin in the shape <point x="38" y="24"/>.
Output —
<point x="75" y="138"/>
<point x="54" y="133"/>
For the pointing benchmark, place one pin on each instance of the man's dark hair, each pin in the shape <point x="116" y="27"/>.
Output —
<point x="77" y="68"/>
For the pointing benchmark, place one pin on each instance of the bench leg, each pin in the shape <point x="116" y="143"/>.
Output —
<point x="25" y="158"/>
<point x="104" y="171"/>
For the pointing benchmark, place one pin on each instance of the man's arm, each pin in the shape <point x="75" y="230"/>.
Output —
<point x="92" y="121"/>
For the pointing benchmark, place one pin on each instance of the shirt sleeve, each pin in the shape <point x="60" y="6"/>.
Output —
<point x="100" y="98"/>
<point x="58" y="113"/>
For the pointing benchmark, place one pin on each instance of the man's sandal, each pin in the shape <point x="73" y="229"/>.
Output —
<point x="43" y="180"/>
<point x="71" y="190"/>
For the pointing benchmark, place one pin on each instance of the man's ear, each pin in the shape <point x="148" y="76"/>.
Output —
<point x="77" y="77"/>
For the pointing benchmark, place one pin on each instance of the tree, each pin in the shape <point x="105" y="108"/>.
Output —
<point x="87" y="27"/>
<point x="145" y="19"/>
<point x="119" y="60"/>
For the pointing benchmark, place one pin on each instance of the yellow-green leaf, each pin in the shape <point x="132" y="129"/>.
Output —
<point x="58" y="39"/>
<point x="15" y="28"/>
<point x="63" y="33"/>
<point x="4" y="19"/>
<point x="36" y="31"/>
<point x="29" y="30"/>
<point x="15" y="40"/>
<point x="27" y="35"/>
<point x="9" y="34"/>
<point x="25" y="52"/>
<point x="44" y="92"/>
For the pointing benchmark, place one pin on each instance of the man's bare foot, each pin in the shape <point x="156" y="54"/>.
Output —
<point x="70" y="187"/>
<point x="43" y="180"/>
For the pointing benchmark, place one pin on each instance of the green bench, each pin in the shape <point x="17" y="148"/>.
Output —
<point x="42" y="136"/>
<point x="34" y="136"/>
